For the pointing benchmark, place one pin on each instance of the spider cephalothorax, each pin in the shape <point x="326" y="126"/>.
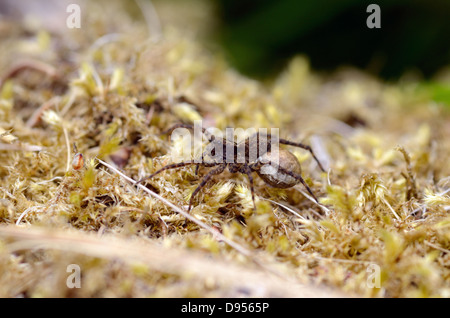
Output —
<point x="277" y="167"/>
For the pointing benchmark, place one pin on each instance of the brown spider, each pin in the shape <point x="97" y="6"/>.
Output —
<point x="278" y="168"/>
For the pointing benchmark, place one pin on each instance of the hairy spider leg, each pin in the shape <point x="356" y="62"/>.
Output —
<point x="205" y="179"/>
<point x="188" y="126"/>
<point x="306" y="147"/>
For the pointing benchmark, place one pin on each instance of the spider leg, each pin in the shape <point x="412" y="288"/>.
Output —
<point x="256" y="166"/>
<point x="298" y="177"/>
<point x="178" y="165"/>
<point x="204" y="154"/>
<point x="248" y="171"/>
<point x="188" y="126"/>
<point x="205" y="179"/>
<point x="306" y="147"/>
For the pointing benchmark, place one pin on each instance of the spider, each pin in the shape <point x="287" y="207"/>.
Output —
<point x="279" y="169"/>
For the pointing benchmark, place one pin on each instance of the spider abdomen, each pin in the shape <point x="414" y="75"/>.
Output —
<point x="270" y="173"/>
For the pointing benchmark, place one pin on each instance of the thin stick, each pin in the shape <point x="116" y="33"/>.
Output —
<point x="437" y="247"/>
<point x="24" y="213"/>
<point x="52" y="179"/>
<point x="37" y="114"/>
<point x="392" y="210"/>
<point x="338" y="260"/>
<point x="98" y="80"/>
<point x="20" y="147"/>
<point x="151" y="18"/>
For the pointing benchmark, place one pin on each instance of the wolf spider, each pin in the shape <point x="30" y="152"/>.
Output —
<point x="285" y="174"/>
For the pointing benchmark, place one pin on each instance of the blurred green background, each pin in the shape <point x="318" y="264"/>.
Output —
<point x="259" y="36"/>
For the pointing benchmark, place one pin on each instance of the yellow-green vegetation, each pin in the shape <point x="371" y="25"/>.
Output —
<point x="382" y="228"/>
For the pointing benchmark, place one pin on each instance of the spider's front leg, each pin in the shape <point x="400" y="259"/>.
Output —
<point x="248" y="171"/>
<point x="299" y="178"/>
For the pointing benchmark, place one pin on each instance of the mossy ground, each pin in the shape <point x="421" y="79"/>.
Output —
<point x="114" y="85"/>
